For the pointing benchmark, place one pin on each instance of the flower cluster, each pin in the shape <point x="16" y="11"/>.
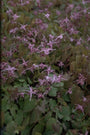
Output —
<point x="81" y="79"/>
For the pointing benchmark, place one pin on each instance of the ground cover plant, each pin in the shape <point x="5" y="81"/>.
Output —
<point x="45" y="68"/>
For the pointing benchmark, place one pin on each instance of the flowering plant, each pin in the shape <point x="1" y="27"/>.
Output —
<point x="44" y="67"/>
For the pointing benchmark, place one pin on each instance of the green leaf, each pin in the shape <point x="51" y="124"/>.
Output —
<point x="47" y="116"/>
<point x="66" y="113"/>
<point x="19" y="117"/>
<point x="13" y="110"/>
<point x="76" y="95"/>
<point x="50" y="75"/>
<point x="38" y="128"/>
<point x="10" y="128"/>
<point x="21" y="80"/>
<point x="35" y="116"/>
<point x="59" y="114"/>
<point x="52" y="104"/>
<point x="53" y="92"/>
<point x="37" y="133"/>
<point x="5" y="133"/>
<point x="49" y="124"/>
<point x="69" y="133"/>
<point x="8" y="117"/>
<point x="26" y="121"/>
<point x="5" y="104"/>
<point x="48" y="132"/>
<point x="53" y="33"/>
<point x="26" y="131"/>
<point x="31" y="16"/>
<point x="76" y="125"/>
<point x="25" y="85"/>
<point x="66" y="97"/>
<point x="29" y="81"/>
<point x="42" y="107"/>
<point x="54" y="126"/>
<point x="61" y="84"/>
<point x="29" y="105"/>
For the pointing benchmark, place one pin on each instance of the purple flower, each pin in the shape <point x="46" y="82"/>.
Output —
<point x="21" y="1"/>
<point x="30" y="92"/>
<point x="44" y="26"/>
<point x="51" y="36"/>
<point x="15" y="16"/>
<point x="79" y="107"/>
<point x="50" y="44"/>
<point x="24" y="39"/>
<point x="21" y="94"/>
<point x="79" y="41"/>
<point x="38" y="21"/>
<point x="73" y="31"/>
<point x="47" y="15"/>
<point x="40" y="95"/>
<point x="60" y="78"/>
<point x="60" y="36"/>
<point x="42" y="66"/>
<point x="71" y="6"/>
<point x="31" y="47"/>
<point x="33" y="40"/>
<point x="61" y="64"/>
<point x="23" y="27"/>
<point x="46" y="50"/>
<point x="81" y="79"/>
<point x="69" y="91"/>
<point x="9" y="68"/>
<point x="71" y="39"/>
<point x="41" y="81"/>
<point x="86" y="133"/>
<point x="38" y="2"/>
<point x="13" y="30"/>
<point x="58" y="12"/>
<point x="54" y="79"/>
<point x="88" y="39"/>
<point x="49" y="70"/>
<point x="27" y="2"/>
<point x="3" y="65"/>
<point x="50" y="4"/>
<point x="66" y="20"/>
<point x="10" y="71"/>
<point x="83" y="2"/>
<point x="75" y="16"/>
<point x="9" y="11"/>
<point x="35" y="66"/>
<point x="11" y="3"/>
<point x="35" y="12"/>
<point x="24" y="62"/>
<point x="84" y="99"/>
<point x="49" y="79"/>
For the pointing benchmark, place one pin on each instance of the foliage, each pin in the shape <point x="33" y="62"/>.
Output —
<point x="45" y="67"/>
